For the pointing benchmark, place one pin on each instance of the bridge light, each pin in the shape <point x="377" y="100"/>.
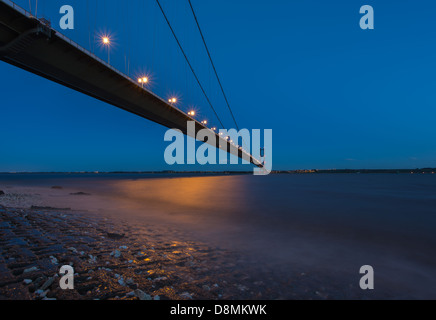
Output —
<point x="204" y="122"/>
<point x="142" y="81"/>
<point x="106" y="41"/>
<point x="191" y="113"/>
<point x="213" y="129"/>
<point x="172" y="100"/>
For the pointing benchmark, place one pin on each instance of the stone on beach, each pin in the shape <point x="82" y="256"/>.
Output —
<point x="186" y="295"/>
<point x="121" y="281"/>
<point x="49" y="208"/>
<point x="1" y="193"/>
<point x="115" y="236"/>
<point x="30" y="270"/>
<point x="41" y="293"/>
<point x="116" y="253"/>
<point x="73" y="249"/>
<point x="160" y="279"/>
<point x="141" y="295"/>
<point x="48" y="283"/>
<point x="54" y="260"/>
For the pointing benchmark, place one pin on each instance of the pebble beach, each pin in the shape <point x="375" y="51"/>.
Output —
<point x="116" y="260"/>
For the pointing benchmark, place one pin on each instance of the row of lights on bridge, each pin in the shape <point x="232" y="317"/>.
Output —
<point x="144" y="80"/>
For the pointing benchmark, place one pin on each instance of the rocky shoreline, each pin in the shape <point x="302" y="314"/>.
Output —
<point x="35" y="243"/>
<point x="114" y="260"/>
<point x="117" y="259"/>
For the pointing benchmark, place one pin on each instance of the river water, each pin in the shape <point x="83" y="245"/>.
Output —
<point x="326" y="225"/>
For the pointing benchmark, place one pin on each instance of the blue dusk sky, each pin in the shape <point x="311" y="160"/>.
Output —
<point x="335" y="96"/>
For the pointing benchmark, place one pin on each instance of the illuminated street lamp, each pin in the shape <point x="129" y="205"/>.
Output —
<point x="191" y="113"/>
<point x="172" y="100"/>
<point x="204" y="122"/>
<point x="142" y="81"/>
<point x="107" y="42"/>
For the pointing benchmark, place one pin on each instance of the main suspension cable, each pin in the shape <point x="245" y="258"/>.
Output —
<point x="189" y="64"/>
<point x="213" y="65"/>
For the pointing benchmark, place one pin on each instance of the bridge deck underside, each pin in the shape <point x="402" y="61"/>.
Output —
<point x="56" y="59"/>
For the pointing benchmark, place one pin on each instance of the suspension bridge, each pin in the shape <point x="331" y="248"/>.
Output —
<point x="30" y="43"/>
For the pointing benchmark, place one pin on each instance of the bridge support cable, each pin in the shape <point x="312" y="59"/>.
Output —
<point x="189" y="64"/>
<point x="213" y="65"/>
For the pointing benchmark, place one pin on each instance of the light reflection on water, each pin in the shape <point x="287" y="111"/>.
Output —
<point x="388" y="203"/>
<point x="189" y="199"/>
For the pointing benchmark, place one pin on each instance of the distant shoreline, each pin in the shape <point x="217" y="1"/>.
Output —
<point x="307" y="171"/>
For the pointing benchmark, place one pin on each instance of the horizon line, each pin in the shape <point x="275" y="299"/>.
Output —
<point x="427" y="169"/>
